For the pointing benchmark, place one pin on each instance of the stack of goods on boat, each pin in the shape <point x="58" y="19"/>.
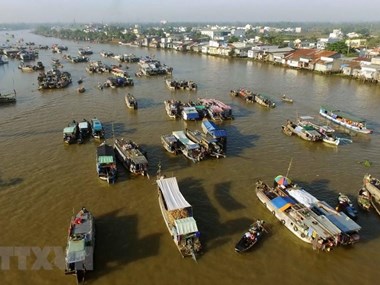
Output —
<point x="178" y="217"/>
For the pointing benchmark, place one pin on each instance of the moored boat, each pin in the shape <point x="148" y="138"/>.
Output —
<point x="297" y="218"/>
<point x="79" y="254"/>
<point x="71" y="133"/>
<point x="173" y="108"/>
<point x="97" y="128"/>
<point x="244" y="94"/>
<point x="251" y="237"/>
<point x="8" y="97"/>
<point x="348" y="121"/>
<point x="131" y="156"/>
<point x="372" y="185"/>
<point x="170" y="143"/>
<point x="178" y="217"/>
<point x="348" y="229"/>
<point x="84" y="130"/>
<point x="306" y="132"/>
<point x="106" y="163"/>
<point x="211" y="146"/>
<point x="189" y="149"/>
<point x="364" y="199"/>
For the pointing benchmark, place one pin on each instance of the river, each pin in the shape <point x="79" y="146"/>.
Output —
<point x="42" y="180"/>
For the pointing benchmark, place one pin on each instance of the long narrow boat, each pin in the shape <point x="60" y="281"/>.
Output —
<point x="106" y="163"/>
<point x="170" y="143"/>
<point x="131" y="101"/>
<point x="190" y="149"/>
<point x="345" y="120"/>
<point x="79" y="255"/>
<point x="131" y="156"/>
<point x="298" y="219"/>
<point x="178" y="217"/>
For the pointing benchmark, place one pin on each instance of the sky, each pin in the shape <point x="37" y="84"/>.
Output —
<point x="206" y="11"/>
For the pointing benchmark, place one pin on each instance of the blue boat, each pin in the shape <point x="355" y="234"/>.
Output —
<point x="213" y="130"/>
<point x="97" y="128"/>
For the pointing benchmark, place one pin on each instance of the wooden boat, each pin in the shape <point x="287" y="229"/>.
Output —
<point x="345" y="120"/>
<point x="372" y="185"/>
<point x="178" y="217"/>
<point x="170" y="143"/>
<point x="326" y="131"/>
<point x="131" y="156"/>
<point x="189" y="149"/>
<point x="306" y="132"/>
<point x="84" y="131"/>
<point x="106" y="163"/>
<point x="297" y="218"/>
<point x="211" y="146"/>
<point x="71" y="133"/>
<point x="81" y="89"/>
<point x="244" y="94"/>
<point x="364" y="199"/>
<point x="131" y="101"/>
<point x="173" y="108"/>
<point x="345" y="205"/>
<point x="251" y="237"/>
<point x="26" y="67"/>
<point x="79" y="254"/>
<point x="181" y="84"/>
<point x="97" y="128"/>
<point x="264" y="101"/>
<point x="286" y="99"/>
<point x="8" y="97"/>
<point x="217" y="110"/>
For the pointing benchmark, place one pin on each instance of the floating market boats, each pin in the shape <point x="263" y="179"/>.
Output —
<point x="343" y="119"/>
<point x="244" y="94"/>
<point x="178" y="217"/>
<point x="306" y="132"/>
<point x="211" y="146"/>
<point x="372" y="185"/>
<point x="345" y="205"/>
<point x="264" y="100"/>
<point x="97" y="128"/>
<point x="173" y="108"/>
<point x="170" y="143"/>
<point x="84" y="131"/>
<point x="71" y="133"/>
<point x="173" y="84"/>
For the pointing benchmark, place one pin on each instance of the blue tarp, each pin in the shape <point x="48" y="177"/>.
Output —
<point x="282" y="203"/>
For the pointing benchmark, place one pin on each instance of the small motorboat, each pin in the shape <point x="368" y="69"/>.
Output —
<point x="251" y="237"/>
<point x="345" y="205"/>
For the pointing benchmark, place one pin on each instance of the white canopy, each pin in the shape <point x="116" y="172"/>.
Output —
<point x="303" y="197"/>
<point x="186" y="226"/>
<point x="171" y="194"/>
